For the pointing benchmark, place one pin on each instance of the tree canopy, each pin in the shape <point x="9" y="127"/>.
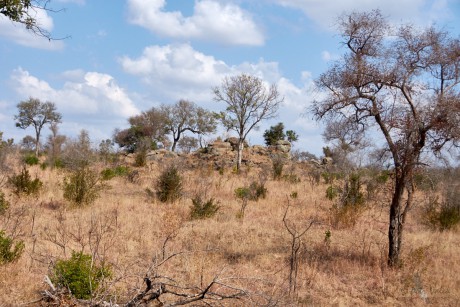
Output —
<point x="403" y="83"/>
<point x="154" y="125"/>
<point x="35" y="113"/>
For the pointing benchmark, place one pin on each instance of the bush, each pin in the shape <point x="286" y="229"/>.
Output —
<point x="203" y="210"/>
<point x="252" y="192"/>
<point x="82" y="186"/>
<point x="169" y="185"/>
<point x="441" y="216"/>
<point x="23" y="184"/>
<point x="30" y="159"/>
<point x="8" y="253"/>
<point x="346" y="211"/>
<point x="278" y="165"/>
<point x="80" y="275"/>
<point x="4" y="204"/>
<point x="110" y="173"/>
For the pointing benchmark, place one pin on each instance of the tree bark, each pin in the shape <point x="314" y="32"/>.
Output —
<point x="239" y="156"/>
<point x="396" y="226"/>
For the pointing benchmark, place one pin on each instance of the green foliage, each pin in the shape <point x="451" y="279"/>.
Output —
<point x="274" y="134"/>
<point x="82" y="186"/>
<point x="80" y="275"/>
<point x="22" y="183"/>
<point x="30" y="159"/>
<point x="349" y="207"/>
<point x="203" y="209"/>
<point x="441" y="216"/>
<point x="4" y="204"/>
<point x="278" y="165"/>
<point x="117" y="171"/>
<point x="352" y="195"/>
<point x="292" y="136"/>
<point x="10" y="251"/>
<point x="332" y="191"/>
<point x="169" y="185"/>
<point x="253" y="192"/>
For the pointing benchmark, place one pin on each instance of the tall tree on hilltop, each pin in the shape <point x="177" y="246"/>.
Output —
<point x="248" y="103"/>
<point x="403" y="83"/>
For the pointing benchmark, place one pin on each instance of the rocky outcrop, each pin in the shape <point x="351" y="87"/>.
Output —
<point x="283" y="146"/>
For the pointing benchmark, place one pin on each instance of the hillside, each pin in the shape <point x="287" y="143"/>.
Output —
<point x="293" y="247"/>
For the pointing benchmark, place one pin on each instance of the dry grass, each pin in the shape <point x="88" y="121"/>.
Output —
<point x="130" y="230"/>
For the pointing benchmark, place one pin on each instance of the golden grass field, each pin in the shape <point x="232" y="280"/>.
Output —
<point x="132" y="232"/>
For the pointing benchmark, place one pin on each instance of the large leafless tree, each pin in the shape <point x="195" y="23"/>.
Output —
<point x="249" y="102"/>
<point x="402" y="83"/>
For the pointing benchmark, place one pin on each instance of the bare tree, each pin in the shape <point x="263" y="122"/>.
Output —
<point x="35" y="113"/>
<point x="403" y="83"/>
<point x="248" y="103"/>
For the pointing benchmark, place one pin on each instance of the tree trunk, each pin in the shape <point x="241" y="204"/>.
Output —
<point x="37" y="142"/>
<point x="395" y="230"/>
<point x="239" y="156"/>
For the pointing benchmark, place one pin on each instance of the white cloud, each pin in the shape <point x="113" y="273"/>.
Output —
<point x="325" y="13"/>
<point x="20" y="35"/>
<point x="211" y="21"/>
<point x="87" y="99"/>
<point x="179" y="71"/>
<point x="327" y="56"/>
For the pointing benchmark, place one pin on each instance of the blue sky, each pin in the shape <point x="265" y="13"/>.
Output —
<point x="124" y="57"/>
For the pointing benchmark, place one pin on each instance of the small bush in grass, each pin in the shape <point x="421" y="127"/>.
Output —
<point x="278" y="165"/>
<point x="80" y="275"/>
<point x="118" y="171"/>
<point x="203" y="209"/>
<point x="10" y="251"/>
<point x="22" y="183"/>
<point x="443" y="215"/>
<point x="30" y="159"/>
<point x="4" y="204"/>
<point x="169" y="185"/>
<point x="82" y="186"/>
<point x="346" y="210"/>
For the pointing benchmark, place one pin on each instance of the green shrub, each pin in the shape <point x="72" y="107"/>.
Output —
<point x="352" y="195"/>
<point x="278" y="165"/>
<point x="203" y="210"/>
<point x="169" y="185"/>
<point x="80" y="275"/>
<point x="4" y="204"/>
<point x="8" y="253"/>
<point x="441" y="216"/>
<point x="23" y="184"/>
<point x="30" y="159"/>
<point x="82" y="186"/>
<point x="331" y="192"/>
<point x="110" y="173"/>
<point x="254" y="191"/>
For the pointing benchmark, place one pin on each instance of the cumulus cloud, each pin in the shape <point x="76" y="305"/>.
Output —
<point x="86" y="99"/>
<point x="179" y="71"/>
<point x="20" y="35"/>
<point x="212" y="20"/>
<point x="325" y="13"/>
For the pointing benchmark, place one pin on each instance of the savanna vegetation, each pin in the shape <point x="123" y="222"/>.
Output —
<point x="87" y="225"/>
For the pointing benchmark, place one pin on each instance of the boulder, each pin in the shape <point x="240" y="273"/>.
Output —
<point x="234" y="142"/>
<point x="283" y="146"/>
